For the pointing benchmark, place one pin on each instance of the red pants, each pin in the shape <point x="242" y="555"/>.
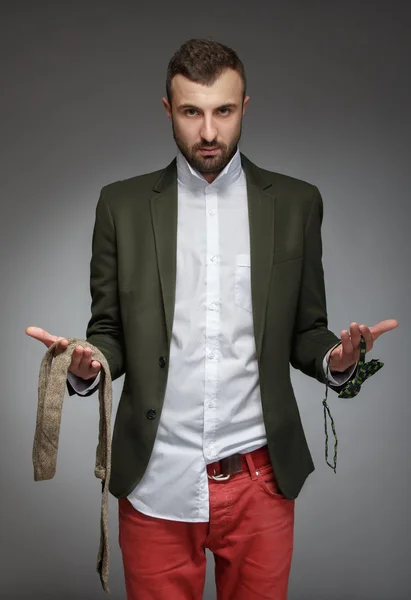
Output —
<point x="250" y="532"/>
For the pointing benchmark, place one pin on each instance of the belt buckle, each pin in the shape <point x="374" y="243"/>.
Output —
<point x="232" y="464"/>
<point x="220" y="477"/>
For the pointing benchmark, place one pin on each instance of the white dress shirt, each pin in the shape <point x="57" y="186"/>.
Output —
<point x="212" y="405"/>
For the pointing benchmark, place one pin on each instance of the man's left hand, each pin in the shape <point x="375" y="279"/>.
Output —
<point x="348" y="352"/>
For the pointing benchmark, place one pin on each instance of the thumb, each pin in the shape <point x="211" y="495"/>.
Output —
<point x="42" y="335"/>
<point x="383" y="327"/>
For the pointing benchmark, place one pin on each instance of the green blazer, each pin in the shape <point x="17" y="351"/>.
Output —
<point x="132" y="284"/>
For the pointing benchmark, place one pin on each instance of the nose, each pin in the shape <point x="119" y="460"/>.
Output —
<point x="208" y="130"/>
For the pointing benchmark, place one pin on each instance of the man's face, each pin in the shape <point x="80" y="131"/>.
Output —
<point x="207" y="117"/>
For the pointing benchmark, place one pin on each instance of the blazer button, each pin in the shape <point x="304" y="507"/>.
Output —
<point x="162" y="361"/>
<point x="151" y="414"/>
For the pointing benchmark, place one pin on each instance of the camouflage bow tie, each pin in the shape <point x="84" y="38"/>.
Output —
<point x="350" y="389"/>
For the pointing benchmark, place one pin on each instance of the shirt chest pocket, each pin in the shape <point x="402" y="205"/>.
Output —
<point x="242" y="282"/>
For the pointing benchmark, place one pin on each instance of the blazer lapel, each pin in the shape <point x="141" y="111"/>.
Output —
<point x="164" y="218"/>
<point x="261" y="208"/>
<point x="261" y="212"/>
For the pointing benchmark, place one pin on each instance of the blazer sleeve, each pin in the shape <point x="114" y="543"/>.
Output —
<point x="104" y="329"/>
<point x="311" y="336"/>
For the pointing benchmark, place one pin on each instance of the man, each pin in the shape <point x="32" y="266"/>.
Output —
<point x="206" y="282"/>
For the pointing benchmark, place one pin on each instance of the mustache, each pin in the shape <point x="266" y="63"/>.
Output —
<point x="207" y="146"/>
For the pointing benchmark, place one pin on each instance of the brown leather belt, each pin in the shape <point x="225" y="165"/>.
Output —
<point x="236" y="463"/>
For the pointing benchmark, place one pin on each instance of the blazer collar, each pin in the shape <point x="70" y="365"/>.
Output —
<point x="253" y="174"/>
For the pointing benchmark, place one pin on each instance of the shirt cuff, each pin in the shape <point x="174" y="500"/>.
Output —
<point x="82" y="386"/>
<point x="338" y="378"/>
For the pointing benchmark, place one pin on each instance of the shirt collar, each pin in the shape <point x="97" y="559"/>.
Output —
<point x="191" y="178"/>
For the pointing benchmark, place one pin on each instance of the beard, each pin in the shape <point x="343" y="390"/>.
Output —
<point x="207" y="164"/>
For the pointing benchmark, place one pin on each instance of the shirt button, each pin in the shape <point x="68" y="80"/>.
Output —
<point x="211" y="212"/>
<point x="212" y="306"/>
<point x="214" y="258"/>
<point x="211" y="355"/>
<point x="151" y="414"/>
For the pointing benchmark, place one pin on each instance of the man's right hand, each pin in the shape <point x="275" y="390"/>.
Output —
<point x="81" y="363"/>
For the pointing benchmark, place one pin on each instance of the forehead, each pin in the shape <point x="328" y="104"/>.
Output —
<point x="226" y="88"/>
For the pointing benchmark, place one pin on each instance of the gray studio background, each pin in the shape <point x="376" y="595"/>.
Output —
<point x="81" y="107"/>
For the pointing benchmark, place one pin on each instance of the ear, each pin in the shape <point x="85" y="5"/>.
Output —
<point x="167" y="107"/>
<point x="245" y="103"/>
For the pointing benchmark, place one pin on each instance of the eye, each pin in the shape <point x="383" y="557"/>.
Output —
<point x="225" y="111"/>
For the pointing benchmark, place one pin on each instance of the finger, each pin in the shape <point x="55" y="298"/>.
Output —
<point x="48" y="339"/>
<point x="355" y="336"/>
<point x="41" y="334"/>
<point x="60" y="346"/>
<point x="382" y="327"/>
<point x="367" y="335"/>
<point x="33" y="331"/>
<point x="76" y="357"/>
<point x="85" y="361"/>
<point x="88" y="367"/>
<point x="36" y="332"/>
<point x="346" y="343"/>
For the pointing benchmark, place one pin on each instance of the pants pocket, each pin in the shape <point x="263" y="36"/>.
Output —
<point x="268" y="483"/>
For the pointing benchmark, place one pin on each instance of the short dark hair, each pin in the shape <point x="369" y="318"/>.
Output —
<point x="203" y="61"/>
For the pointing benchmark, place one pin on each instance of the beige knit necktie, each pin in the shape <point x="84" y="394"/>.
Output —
<point x="51" y="390"/>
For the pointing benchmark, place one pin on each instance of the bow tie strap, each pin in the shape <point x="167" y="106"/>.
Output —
<point x="364" y="371"/>
<point x="350" y="389"/>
